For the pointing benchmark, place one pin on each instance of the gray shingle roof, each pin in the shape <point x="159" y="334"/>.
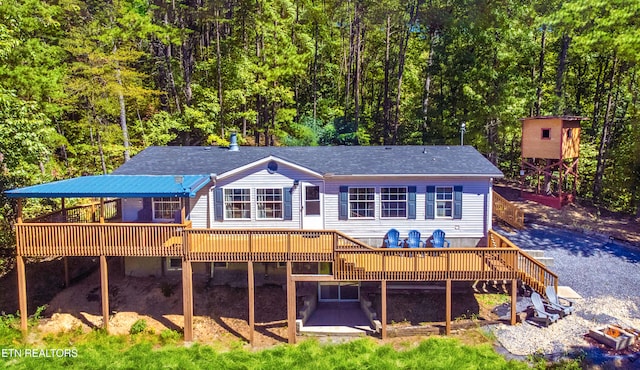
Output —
<point x="337" y="160"/>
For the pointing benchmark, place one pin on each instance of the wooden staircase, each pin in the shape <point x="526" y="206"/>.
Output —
<point x="507" y="211"/>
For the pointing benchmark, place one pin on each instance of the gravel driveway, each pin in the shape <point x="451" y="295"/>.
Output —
<point x="606" y="273"/>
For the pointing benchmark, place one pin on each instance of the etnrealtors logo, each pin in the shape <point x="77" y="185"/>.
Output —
<point x="38" y="352"/>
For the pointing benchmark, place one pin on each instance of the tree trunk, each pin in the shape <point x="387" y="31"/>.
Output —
<point x="538" y="103"/>
<point x="356" y="82"/>
<point x="562" y="65"/>
<point x="401" y="60"/>
<point x="123" y="112"/>
<point x="605" y="135"/>
<point x="219" y="70"/>
<point x="427" y="88"/>
<point x="386" y="102"/>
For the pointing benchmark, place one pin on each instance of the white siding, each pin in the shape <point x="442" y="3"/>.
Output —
<point x="471" y="225"/>
<point x="199" y="209"/>
<point x="258" y="178"/>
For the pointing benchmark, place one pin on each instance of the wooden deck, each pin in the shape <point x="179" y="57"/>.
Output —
<point x="351" y="259"/>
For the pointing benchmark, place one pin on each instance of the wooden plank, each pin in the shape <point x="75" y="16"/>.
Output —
<point x="448" y="308"/>
<point x="187" y="300"/>
<point x="300" y="277"/>
<point x="22" y="292"/>
<point x="514" y="300"/>
<point x="104" y="285"/>
<point x="291" y="305"/>
<point x="251" y="284"/>
<point x="67" y="279"/>
<point x="383" y="294"/>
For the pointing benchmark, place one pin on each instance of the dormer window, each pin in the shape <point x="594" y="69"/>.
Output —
<point x="546" y="134"/>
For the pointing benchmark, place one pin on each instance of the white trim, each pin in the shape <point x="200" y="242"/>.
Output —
<point x="224" y="204"/>
<point x="365" y="201"/>
<point x="170" y="201"/>
<point x="258" y="218"/>
<point x="265" y="161"/>
<point x="406" y="202"/>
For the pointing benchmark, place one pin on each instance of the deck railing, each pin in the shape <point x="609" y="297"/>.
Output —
<point x="531" y="272"/>
<point x="352" y="259"/>
<point x="259" y="245"/>
<point x="86" y="213"/>
<point x="507" y="211"/>
<point x="95" y="239"/>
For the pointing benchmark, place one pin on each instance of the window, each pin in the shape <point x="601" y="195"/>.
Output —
<point x="546" y="134"/>
<point x="569" y="133"/>
<point x="312" y="201"/>
<point x="269" y="203"/>
<point x="362" y="202"/>
<point x="393" y="202"/>
<point x="174" y="264"/>
<point x="165" y="208"/>
<point x="444" y="202"/>
<point x="237" y="203"/>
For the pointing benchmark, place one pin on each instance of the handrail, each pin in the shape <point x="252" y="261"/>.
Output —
<point x="85" y="213"/>
<point x="533" y="272"/>
<point x="507" y="211"/>
<point x="351" y="258"/>
<point x="95" y="239"/>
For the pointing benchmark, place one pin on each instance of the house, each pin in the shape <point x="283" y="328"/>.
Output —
<point x="314" y="214"/>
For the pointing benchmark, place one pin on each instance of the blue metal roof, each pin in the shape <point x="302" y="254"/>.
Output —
<point x="117" y="186"/>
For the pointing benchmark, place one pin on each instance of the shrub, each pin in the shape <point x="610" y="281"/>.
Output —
<point x="138" y="327"/>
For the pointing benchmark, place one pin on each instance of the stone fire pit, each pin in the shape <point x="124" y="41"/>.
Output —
<point x="614" y="336"/>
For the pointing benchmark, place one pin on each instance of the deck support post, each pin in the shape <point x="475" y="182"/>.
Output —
<point x="67" y="278"/>
<point x="22" y="292"/>
<point x="291" y="305"/>
<point x="104" y="285"/>
<point x="22" y="276"/>
<point x="101" y="210"/>
<point x="383" y="295"/>
<point x="187" y="300"/>
<point x="251" y="285"/>
<point x="514" y="300"/>
<point x="447" y="326"/>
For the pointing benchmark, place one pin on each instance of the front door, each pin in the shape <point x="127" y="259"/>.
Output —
<point x="311" y="209"/>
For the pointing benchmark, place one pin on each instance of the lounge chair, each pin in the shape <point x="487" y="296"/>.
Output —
<point x="437" y="239"/>
<point x="540" y="313"/>
<point x="392" y="239"/>
<point x="554" y="301"/>
<point x="413" y="241"/>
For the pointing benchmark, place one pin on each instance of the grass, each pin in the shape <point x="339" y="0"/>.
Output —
<point x="148" y="350"/>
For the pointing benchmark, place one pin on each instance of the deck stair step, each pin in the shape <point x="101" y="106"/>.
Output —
<point x="539" y="256"/>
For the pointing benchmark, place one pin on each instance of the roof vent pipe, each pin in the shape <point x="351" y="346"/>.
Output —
<point x="234" y="143"/>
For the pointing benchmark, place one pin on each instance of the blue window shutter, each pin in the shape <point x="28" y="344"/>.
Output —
<point x="218" y="204"/>
<point x="343" y="203"/>
<point x="287" y="203"/>
<point x="457" y="202"/>
<point x="411" y="203"/>
<point x="430" y="211"/>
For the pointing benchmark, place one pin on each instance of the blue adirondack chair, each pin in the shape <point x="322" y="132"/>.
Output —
<point x="437" y="239"/>
<point x="413" y="241"/>
<point x="392" y="239"/>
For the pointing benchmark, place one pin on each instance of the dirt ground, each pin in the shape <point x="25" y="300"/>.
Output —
<point x="221" y="312"/>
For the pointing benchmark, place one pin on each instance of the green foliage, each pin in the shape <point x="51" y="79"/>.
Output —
<point x="98" y="350"/>
<point x="138" y="327"/>
<point x="295" y="72"/>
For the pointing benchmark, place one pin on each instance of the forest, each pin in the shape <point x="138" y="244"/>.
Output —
<point x="85" y="85"/>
